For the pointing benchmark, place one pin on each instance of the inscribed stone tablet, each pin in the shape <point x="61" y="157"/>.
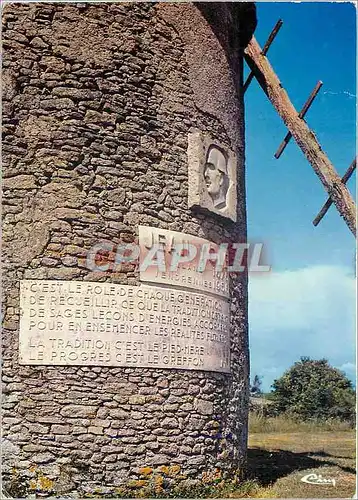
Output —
<point x="186" y="274"/>
<point x="104" y="324"/>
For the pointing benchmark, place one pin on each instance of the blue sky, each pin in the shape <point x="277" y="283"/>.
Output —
<point x="306" y="305"/>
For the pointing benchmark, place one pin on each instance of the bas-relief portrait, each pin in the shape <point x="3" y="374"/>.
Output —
<point x="212" y="175"/>
<point x="216" y="177"/>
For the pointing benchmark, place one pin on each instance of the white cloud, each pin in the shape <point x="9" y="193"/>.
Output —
<point x="305" y="312"/>
<point x="350" y="370"/>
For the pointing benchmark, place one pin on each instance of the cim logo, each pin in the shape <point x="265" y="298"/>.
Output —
<point x="318" y="479"/>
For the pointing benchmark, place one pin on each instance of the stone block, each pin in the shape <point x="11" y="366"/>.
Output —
<point x="60" y="429"/>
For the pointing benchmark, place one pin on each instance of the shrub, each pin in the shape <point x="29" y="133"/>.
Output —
<point x="312" y="389"/>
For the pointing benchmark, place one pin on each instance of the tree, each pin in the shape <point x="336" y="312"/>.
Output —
<point x="255" y="389"/>
<point x="314" y="389"/>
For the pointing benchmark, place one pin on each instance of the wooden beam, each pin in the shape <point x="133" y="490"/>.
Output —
<point x="329" y="202"/>
<point x="303" y="136"/>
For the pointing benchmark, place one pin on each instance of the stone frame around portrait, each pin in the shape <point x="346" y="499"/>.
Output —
<point x="198" y="196"/>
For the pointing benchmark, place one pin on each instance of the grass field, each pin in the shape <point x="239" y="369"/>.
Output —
<point x="281" y="452"/>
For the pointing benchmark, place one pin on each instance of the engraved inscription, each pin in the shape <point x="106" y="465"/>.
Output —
<point x="104" y="324"/>
<point x="186" y="272"/>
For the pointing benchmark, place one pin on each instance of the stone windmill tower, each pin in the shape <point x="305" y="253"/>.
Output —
<point x="122" y="122"/>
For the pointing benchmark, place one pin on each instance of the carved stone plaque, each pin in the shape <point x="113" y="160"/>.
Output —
<point x="176" y="272"/>
<point x="212" y="175"/>
<point x="104" y="324"/>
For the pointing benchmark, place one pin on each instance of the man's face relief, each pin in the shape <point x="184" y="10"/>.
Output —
<point x="213" y="179"/>
<point x="215" y="175"/>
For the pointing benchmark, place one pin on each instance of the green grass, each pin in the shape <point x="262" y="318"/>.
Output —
<point x="259" y="423"/>
<point x="282" y="451"/>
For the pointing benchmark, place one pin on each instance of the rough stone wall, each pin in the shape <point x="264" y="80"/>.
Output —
<point x="98" y="101"/>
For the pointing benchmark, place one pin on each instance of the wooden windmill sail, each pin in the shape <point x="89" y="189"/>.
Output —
<point x="335" y="186"/>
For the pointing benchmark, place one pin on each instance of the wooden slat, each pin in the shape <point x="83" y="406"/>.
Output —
<point x="301" y="114"/>
<point x="303" y="136"/>
<point x="267" y="45"/>
<point x="329" y="202"/>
